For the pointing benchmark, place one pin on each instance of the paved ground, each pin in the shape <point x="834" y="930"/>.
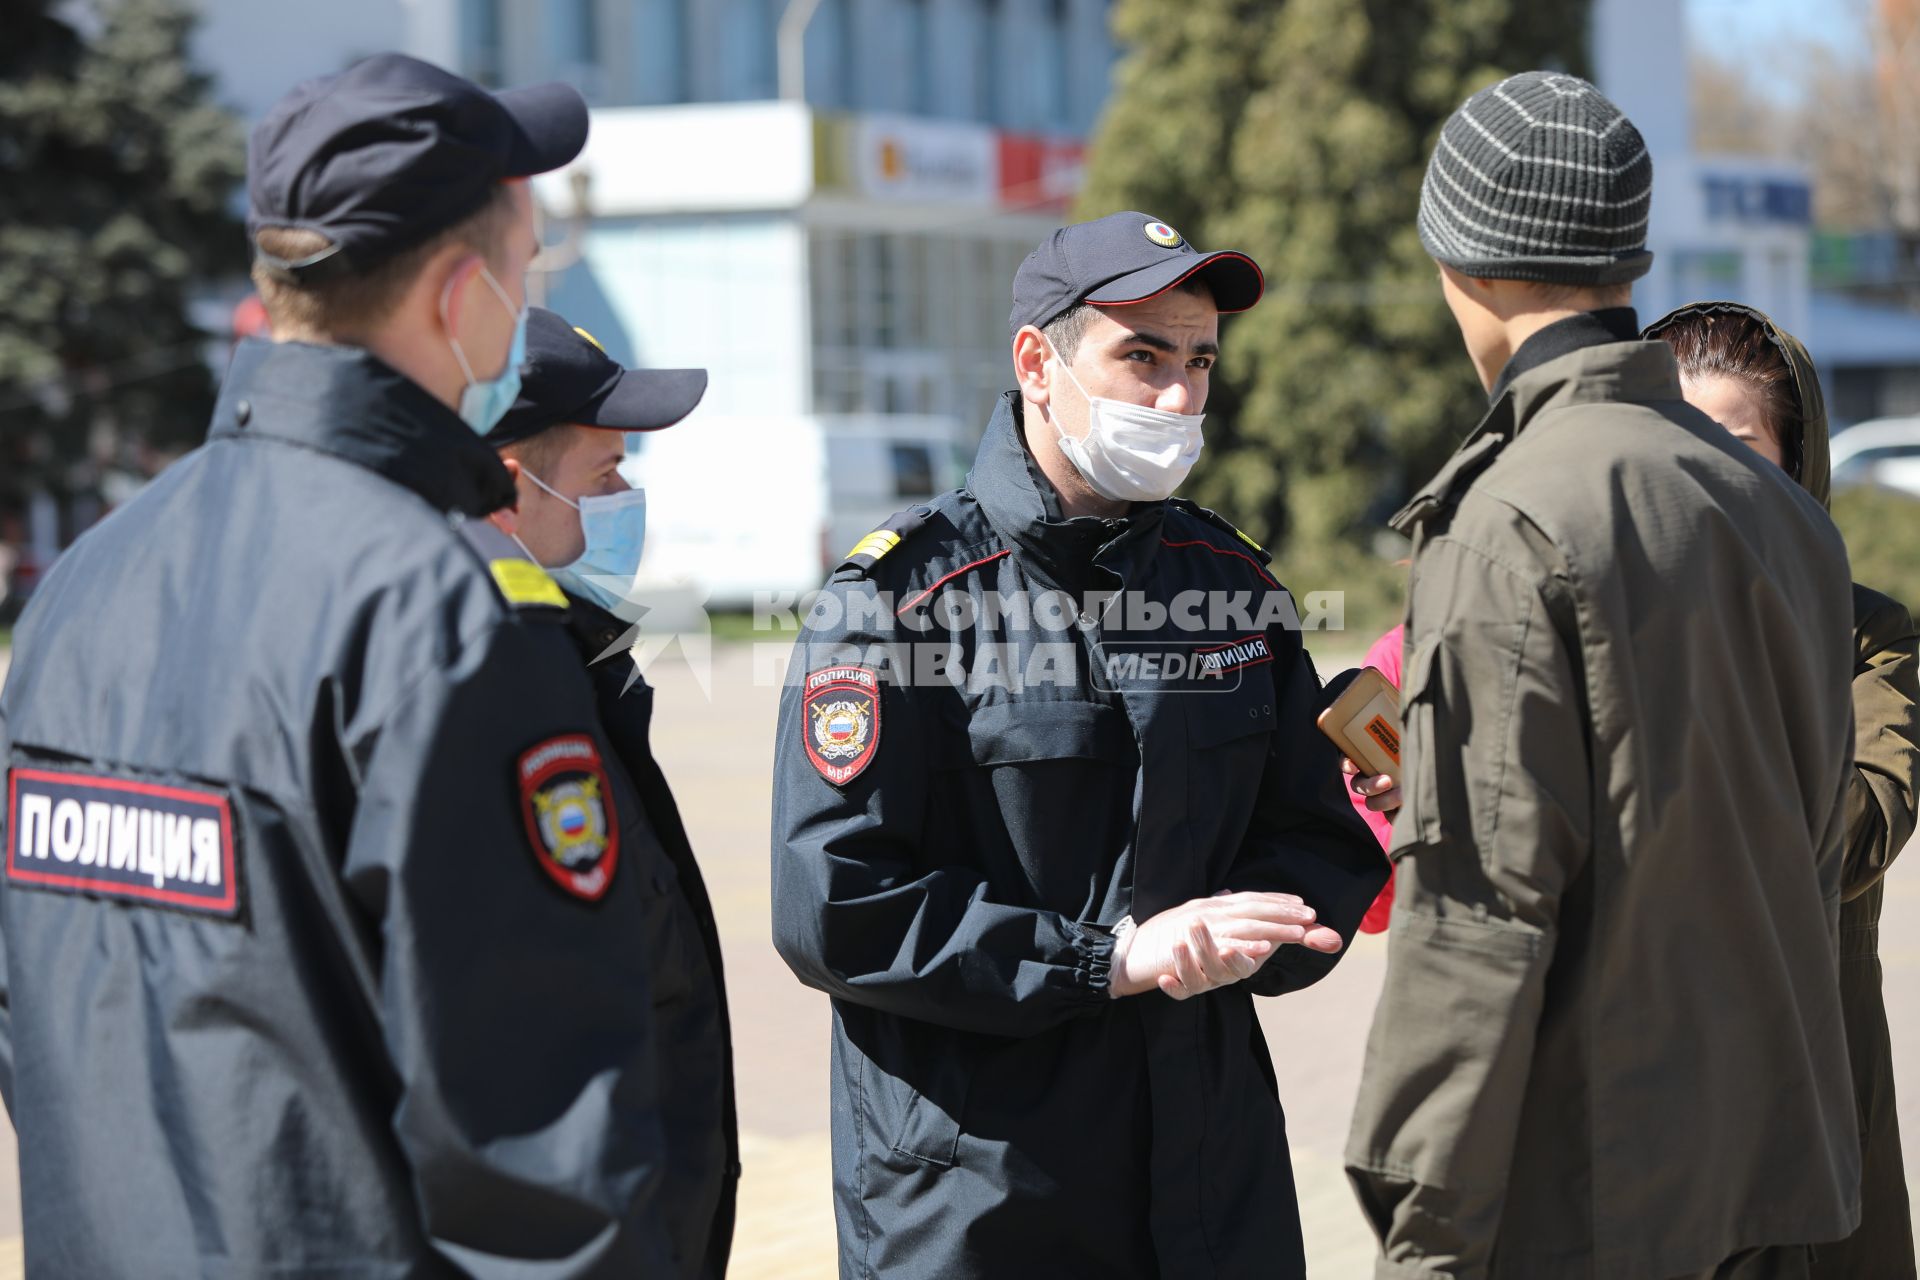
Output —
<point x="718" y="754"/>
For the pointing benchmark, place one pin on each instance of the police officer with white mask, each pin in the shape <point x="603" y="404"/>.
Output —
<point x="1050" y="809"/>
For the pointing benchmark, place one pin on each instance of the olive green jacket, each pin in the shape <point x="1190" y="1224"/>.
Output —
<point x="1880" y="821"/>
<point x="1880" y="802"/>
<point x="1610" y="1039"/>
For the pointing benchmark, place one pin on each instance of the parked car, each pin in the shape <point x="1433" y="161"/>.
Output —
<point x="1883" y="452"/>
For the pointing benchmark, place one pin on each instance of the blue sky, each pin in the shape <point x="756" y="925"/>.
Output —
<point x="1772" y="38"/>
<point x="1743" y="28"/>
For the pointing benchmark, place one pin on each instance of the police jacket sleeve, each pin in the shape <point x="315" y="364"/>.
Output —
<point x="1493" y="829"/>
<point x="859" y="913"/>
<point x="1305" y="837"/>
<point x="1886" y="728"/>
<point x="515" y="1013"/>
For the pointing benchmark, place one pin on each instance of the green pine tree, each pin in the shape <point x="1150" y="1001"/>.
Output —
<point x="117" y="173"/>
<point x="1298" y="130"/>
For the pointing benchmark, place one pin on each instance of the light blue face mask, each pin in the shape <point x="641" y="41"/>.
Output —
<point x="484" y="403"/>
<point x="615" y="527"/>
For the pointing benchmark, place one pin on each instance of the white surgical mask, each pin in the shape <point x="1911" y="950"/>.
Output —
<point x="1131" y="452"/>
<point x="615" y="528"/>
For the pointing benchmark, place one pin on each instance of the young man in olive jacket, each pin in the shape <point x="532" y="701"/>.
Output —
<point x="1610" y="1040"/>
<point x="1758" y="381"/>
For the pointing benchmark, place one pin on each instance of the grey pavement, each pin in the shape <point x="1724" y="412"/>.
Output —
<point x="718" y="754"/>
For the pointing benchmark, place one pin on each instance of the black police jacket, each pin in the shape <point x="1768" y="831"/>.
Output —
<point x="325" y="907"/>
<point x="968" y="800"/>
<point x="688" y="981"/>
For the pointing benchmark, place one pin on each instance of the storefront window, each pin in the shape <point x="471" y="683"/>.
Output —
<point x="911" y="324"/>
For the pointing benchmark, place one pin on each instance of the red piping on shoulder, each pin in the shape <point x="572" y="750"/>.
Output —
<point x="948" y="577"/>
<point x="1227" y="551"/>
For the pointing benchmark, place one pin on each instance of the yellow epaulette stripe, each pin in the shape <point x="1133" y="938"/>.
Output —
<point x="1250" y="542"/>
<point x="524" y="582"/>
<point x="875" y="544"/>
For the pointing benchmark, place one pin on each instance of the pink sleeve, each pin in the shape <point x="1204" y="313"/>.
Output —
<point x="1385" y="654"/>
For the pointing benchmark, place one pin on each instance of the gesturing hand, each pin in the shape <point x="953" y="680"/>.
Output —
<point x="1212" y="942"/>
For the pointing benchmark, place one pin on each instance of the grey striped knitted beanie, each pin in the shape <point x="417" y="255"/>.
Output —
<point x="1539" y="178"/>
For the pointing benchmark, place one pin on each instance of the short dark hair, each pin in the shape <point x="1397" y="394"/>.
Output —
<point x="1582" y="296"/>
<point x="1732" y="344"/>
<point x="540" y="452"/>
<point x="1066" y="330"/>
<point x="350" y="303"/>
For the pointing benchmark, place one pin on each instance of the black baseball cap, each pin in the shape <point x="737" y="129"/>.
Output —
<point x="392" y="151"/>
<point x="569" y="377"/>
<point x="1120" y="259"/>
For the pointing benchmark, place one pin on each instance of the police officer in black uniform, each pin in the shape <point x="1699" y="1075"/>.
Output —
<point x="563" y="442"/>
<point x="1031" y="732"/>
<point x="326" y="901"/>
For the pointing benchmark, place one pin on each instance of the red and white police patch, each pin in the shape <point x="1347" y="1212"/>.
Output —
<point x="840" y="721"/>
<point x="117" y="838"/>
<point x="568" y="805"/>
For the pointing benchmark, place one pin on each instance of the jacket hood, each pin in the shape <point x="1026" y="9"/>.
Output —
<point x="1816" y="468"/>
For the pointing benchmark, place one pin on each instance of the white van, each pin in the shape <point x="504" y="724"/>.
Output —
<point x="741" y="509"/>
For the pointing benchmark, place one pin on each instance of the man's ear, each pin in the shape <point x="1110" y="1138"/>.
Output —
<point x="1496" y="296"/>
<point x="460" y="275"/>
<point x="507" y="519"/>
<point x="1031" y="351"/>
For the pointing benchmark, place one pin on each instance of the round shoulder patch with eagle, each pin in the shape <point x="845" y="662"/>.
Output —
<point x="568" y="806"/>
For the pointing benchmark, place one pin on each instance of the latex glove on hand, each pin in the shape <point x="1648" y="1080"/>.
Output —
<point x="1209" y="943"/>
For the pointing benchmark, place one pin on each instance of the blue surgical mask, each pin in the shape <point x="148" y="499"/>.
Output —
<point x="484" y="403"/>
<point x="615" y="528"/>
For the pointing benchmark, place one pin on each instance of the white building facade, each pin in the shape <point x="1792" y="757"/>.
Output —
<point x="837" y="261"/>
<point x="1740" y="228"/>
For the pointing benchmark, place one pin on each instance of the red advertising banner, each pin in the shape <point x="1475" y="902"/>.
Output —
<point x="1039" y="173"/>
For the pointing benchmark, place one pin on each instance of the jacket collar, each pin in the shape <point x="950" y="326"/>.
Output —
<point x="1632" y="372"/>
<point x="1564" y="337"/>
<point x="596" y="629"/>
<point x="343" y="401"/>
<point x="1019" y="501"/>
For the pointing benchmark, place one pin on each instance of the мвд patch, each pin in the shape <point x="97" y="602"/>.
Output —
<point x="568" y="806"/>
<point x="840" y="720"/>
<point x="118" y="839"/>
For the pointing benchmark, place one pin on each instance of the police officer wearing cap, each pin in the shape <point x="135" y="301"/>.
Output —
<point x="324" y="951"/>
<point x="1050" y="810"/>
<point x="563" y="441"/>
